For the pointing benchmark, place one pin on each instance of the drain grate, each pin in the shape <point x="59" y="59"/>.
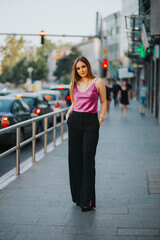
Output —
<point x="153" y="178"/>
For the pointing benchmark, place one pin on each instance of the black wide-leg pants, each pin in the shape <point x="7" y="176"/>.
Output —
<point x="83" y="138"/>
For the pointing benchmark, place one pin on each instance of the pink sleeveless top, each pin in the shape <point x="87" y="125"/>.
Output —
<point x="86" y="101"/>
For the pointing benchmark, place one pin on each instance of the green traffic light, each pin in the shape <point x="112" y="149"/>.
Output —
<point x="148" y="50"/>
<point x="141" y="51"/>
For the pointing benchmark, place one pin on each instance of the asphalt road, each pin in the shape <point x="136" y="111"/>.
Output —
<point x="8" y="162"/>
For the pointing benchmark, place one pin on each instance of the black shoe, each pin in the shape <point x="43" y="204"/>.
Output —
<point x="78" y="204"/>
<point x="86" y="209"/>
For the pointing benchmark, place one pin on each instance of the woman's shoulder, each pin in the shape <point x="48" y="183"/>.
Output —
<point x="99" y="80"/>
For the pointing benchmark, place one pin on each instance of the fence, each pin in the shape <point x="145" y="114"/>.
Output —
<point x="32" y="139"/>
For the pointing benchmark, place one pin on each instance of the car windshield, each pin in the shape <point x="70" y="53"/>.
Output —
<point x="30" y="101"/>
<point x="64" y="92"/>
<point x="4" y="105"/>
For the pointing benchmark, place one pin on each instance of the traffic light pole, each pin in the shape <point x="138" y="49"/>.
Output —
<point x="48" y="35"/>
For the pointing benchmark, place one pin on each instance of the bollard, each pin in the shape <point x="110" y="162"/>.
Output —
<point x="45" y="134"/>
<point x="18" y="133"/>
<point x="62" y="116"/>
<point x="54" y="129"/>
<point x="33" y="141"/>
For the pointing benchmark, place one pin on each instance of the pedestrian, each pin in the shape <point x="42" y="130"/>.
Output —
<point x="143" y="95"/>
<point x="83" y="130"/>
<point x="109" y="94"/>
<point x="116" y="88"/>
<point x="124" y="95"/>
<point x="129" y="87"/>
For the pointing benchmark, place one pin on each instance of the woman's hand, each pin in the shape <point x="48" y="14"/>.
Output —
<point x="100" y="121"/>
<point x="67" y="116"/>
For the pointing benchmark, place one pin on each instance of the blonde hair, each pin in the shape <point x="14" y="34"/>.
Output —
<point x="75" y="75"/>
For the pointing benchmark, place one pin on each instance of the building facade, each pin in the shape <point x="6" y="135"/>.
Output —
<point x="53" y="57"/>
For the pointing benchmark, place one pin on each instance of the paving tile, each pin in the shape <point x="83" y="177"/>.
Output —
<point x="124" y="238"/>
<point x="8" y="235"/>
<point x="5" y="227"/>
<point x="85" y="230"/>
<point x="138" y="232"/>
<point x="144" y="211"/>
<point x="148" y="238"/>
<point x="38" y="236"/>
<point x="37" y="229"/>
<point x="151" y="222"/>
<point x="95" y="237"/>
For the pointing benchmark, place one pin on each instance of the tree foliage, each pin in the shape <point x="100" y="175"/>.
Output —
<point x="18" y="56"/>
<point x="12" y="51"/>
<point x="64" y="65"/>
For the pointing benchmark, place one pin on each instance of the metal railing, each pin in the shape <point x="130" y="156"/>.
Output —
<point x="32" y="139"/>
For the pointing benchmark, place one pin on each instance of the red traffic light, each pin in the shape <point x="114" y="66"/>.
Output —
<point x="42" y="34"/>
<point x="105" y="63"/>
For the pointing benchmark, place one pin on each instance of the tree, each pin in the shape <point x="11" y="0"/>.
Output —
<point x="43" y="51"/>
<point x="40" y="69"/>
<point x="11" y="52"/>
<point x="64" y="65"/>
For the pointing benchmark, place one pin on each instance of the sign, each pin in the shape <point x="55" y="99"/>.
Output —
<point x="144" y="37"/>
<point x="57" y="57"/>
<point x="131" y="69"/>
<point x="123" y="73"/>
<point x="105" y="51"/>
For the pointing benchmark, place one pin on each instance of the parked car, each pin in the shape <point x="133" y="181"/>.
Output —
<point x="64" y="91"/>
<point x="55" y="99"/>
<point x="7" y="91"/>
<point x="12" y="111"/>
<point x="37" y="103"/>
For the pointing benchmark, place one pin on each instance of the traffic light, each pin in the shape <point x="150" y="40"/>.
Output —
<point x="42" y="34"/>
<point x="141" y="51"/>
<point x="105" y="64"/>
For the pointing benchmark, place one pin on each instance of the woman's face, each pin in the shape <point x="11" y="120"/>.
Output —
<point x="82" y="69"/>
<point x="124" y="84"/>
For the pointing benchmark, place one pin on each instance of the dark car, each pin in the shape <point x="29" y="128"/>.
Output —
<point x="64" y="89"/>
<point x="37" y="103"/>
<point x="12" y="111"/>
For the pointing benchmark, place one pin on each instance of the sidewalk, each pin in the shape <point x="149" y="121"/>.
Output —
<point x="38" y="206"/>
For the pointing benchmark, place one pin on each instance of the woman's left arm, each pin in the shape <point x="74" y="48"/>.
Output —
<point x="102" y="92"/>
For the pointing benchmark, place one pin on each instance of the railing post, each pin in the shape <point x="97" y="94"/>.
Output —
<point x="62" y="117"/>
<point x="18" y="134"/>
<point x="54" y="129"/>
<point x="33" y="141"/>
<point x="45" y="134"/>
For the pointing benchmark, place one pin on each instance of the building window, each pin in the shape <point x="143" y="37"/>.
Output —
<point x="117" y="29"/>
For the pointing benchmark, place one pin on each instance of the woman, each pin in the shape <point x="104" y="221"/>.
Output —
<point x="83" y="126"/>
<point x="109" y="93"/>
<point x="125" y="98"/>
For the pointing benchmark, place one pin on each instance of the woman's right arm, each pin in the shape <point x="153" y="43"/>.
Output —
<point x="69" y="111"/>
<point x="71" y="107"/>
